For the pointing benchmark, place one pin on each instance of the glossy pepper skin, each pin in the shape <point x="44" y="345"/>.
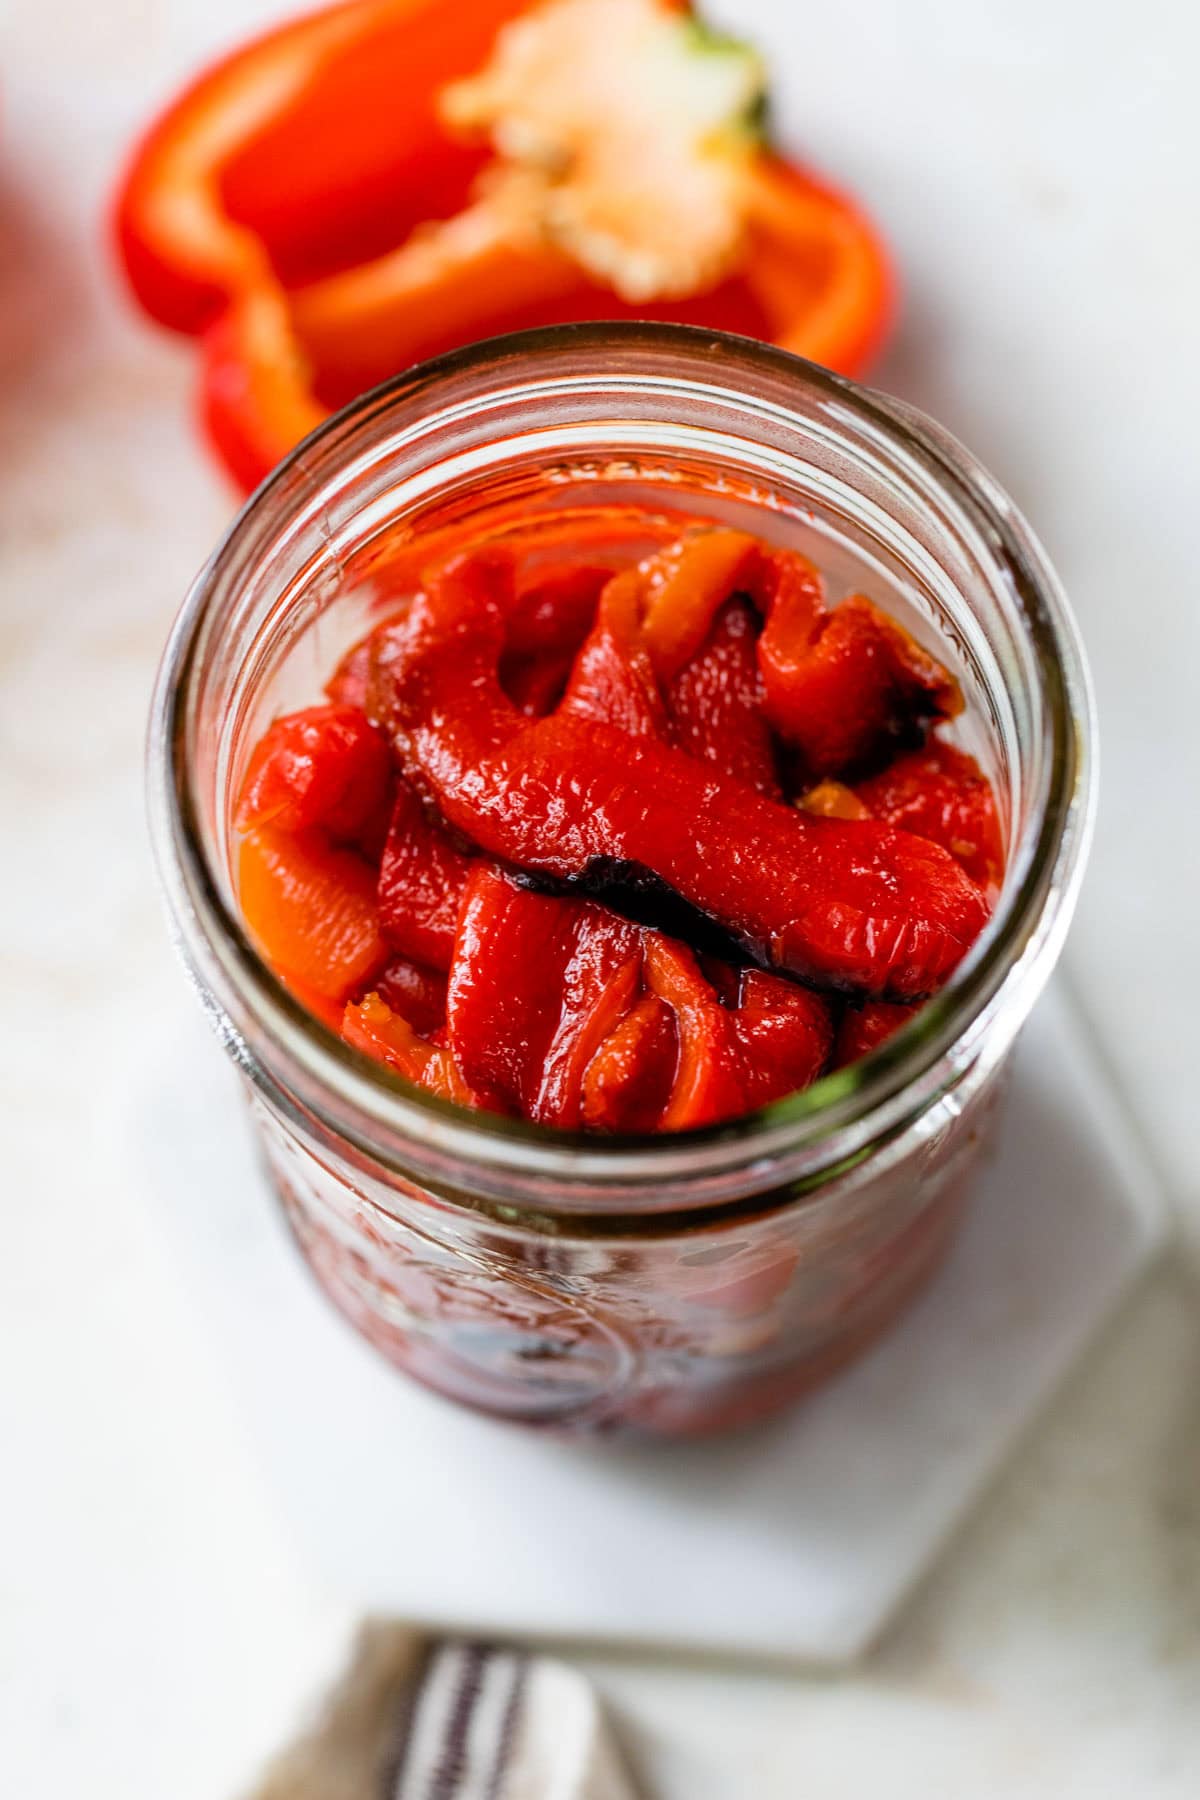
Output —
<point x="538" y="983"/>
<point x="565" y="1013"/>
<point x="326" y="767"/>
<point x="715" y="702"/>
<point x="941" y="793"/>
<point x="858" y="907"/>
<point x="844" y="686"/>
<point x="268" y="208"/>
<point x="423" y="878"/>
<point x="315" y="906"/>
<point x="387" y="876"/>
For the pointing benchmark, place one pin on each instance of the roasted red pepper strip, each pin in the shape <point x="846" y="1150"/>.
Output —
<point x="311" y="909"/>
<point x="547" y="1014"/>
<point x="842" y="686"/>
<point x="681" y="588"/>
<point x="538" y="983"/>
<point x="940" y="793"/>
<point x="784" y="1035"/>
<point x="613" y="681"/>
<point x="422" y="883"/>
<point x="860" y="686"/>
<point x="545" y="630"/>
<point x="730" y="1060"/>
<point x="327" y="766"/>
<point x="506" y="985"/>
<point x="715" y="702"/>
<point x="937" y="792"/>
<point x="864" y="1028"/>
<point x="628" y="1082"/>
<point x="671" y="656"/>
<point x="600" y="983"/>
<point x="416" y="993"/>
<point x="706" y="1087"/>
<point x="374" y="1028"/>
<point x="857" y="906"/>
<point x="845" y="685"/>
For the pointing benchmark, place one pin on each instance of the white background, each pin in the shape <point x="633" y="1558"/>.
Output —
<point x="1035" y="167"/>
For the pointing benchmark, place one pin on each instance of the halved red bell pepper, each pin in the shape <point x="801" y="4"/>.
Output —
<point x="282" y="207"/>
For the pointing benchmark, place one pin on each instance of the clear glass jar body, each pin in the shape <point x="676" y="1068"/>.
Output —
<point x="691" y="1282"/>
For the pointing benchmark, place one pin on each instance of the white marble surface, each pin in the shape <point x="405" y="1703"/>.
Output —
<point x="789" y="1545"/>
<point x="1035" y="167"/>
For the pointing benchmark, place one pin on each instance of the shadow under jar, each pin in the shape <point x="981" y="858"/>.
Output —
<point x="689" y="1282"/>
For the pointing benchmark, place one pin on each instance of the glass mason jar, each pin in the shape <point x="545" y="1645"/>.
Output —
<point x="687" y="1282"/>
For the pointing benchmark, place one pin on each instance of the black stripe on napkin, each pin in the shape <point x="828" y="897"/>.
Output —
<point x="463" y="1691"/>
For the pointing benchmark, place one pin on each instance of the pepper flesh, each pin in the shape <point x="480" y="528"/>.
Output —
<point x="312" y="908"/>
<point x="372" y="1027"/>
<point x="715" y="703"/>
<point x="306" y="207"/>
<point x="423" y="879"/>
<point x="431" y="955"/>
<point x="940" y="792"/>
<point x="855" y="906"/>
<point x="326" y="767"/>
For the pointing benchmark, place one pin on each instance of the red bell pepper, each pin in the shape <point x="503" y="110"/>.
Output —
<point x="321" y="207"/>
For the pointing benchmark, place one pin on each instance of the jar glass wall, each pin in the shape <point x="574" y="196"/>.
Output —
<point x="689" y="1281"/>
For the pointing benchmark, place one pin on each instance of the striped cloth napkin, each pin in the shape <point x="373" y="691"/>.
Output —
<point x="415" y="1719"/>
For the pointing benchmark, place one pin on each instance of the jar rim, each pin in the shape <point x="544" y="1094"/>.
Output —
<point x="545" y="1170"/>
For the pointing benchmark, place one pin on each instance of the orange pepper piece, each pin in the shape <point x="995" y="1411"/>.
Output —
<point x="372" y="1027"/>
<point x="310" y="907"/>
